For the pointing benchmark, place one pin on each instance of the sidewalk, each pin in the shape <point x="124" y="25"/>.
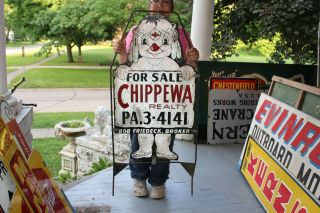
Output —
<point x="43" y="133"/>
<point x="23" y="69"/>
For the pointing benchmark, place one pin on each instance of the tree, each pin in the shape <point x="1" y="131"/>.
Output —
<point x="67" y="28"/>
<point x="295" y="22"/>
<point x="75" y="22"/>
<point x="184" y="9"/>
<point x="21" y="16"/>
<point x="9" y="14"/>
<point x="106" y="18"/>
<point x="65" y="24"/>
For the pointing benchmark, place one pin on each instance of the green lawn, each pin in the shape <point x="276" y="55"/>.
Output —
<point x="49" y="120"/>
<point x="92" y="56"/>
<point x="64" y="78"/>
<point x="18" y="60"/>
<point x="245" y="57"/>
<point x="49" y="149"/>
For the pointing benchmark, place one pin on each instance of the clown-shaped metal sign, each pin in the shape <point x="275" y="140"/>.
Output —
<point x="154" y="95"/>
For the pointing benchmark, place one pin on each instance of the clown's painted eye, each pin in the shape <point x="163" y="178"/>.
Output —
<point x="165" y="41"/>
<point x="144" y="41"/>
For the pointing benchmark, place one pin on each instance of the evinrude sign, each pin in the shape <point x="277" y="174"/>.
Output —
<point x="281" y="160"/>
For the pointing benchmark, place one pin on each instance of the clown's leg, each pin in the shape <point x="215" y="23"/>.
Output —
<point x="163" y="147"/>
<point x="145" y="146"/>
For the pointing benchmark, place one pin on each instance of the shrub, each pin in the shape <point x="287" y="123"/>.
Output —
<point x="65" y="177"/>
<point x="46" y="49"/>
<point x="100" y="165"/>
<point x="261" y="47"/>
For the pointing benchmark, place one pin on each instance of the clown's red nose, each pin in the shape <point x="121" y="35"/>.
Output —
<point x="154" y="47"/>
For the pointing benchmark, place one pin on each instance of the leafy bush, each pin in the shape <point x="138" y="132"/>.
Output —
<point x="65" y="177"/>
<point x="247" y="48"/>
<point x="108" y="43"/>
<point x="262" y="47"/>
<point x="100" y="165"/>
<point x="46" y="49"/>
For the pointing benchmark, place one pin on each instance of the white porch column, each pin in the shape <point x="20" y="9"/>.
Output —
<point x="3" y="64"/>
<point x="23" y="115"/>
<point x="202" y="27"/>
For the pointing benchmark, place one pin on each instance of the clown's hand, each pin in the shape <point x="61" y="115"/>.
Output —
<point x="187" y="72"/>
<point x="121" y="72"/>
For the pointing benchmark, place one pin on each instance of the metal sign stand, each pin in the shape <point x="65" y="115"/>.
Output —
<point x="318" y="57"/>
<point x="188" y="166"/>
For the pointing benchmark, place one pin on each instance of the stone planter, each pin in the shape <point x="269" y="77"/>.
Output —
<point x="89" y="150"/>
<point x="70" y="130"/>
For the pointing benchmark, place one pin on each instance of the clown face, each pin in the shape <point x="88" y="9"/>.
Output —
<point x="156" y="38"/>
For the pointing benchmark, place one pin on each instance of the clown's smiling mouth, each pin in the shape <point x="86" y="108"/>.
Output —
<point x="155" y="49"/>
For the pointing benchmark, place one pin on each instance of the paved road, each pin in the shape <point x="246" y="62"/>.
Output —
<point x="65" y="100"/>
<point x="17" y="50"/>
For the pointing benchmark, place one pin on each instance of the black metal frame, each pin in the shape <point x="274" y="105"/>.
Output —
<point x="188" y="166"/>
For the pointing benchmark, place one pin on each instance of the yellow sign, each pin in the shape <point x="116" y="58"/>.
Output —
<point x="32" y="179"/>
<point x="50" y="188"/>
<point x="18" y="204"/>
<point x="275" y="189"/>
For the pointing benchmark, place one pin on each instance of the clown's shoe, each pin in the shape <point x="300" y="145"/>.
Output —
<point x="163" y="147"/>
<point x="145" y="146"/>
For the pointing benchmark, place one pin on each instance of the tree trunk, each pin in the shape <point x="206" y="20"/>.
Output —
<point x="69" y="53"/>
<point x="79" y="54"/>
<point x="22" y="50"/>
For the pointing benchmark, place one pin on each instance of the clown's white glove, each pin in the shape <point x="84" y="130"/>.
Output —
<point x="122" y="72"/>
<point x="187" y="72"/>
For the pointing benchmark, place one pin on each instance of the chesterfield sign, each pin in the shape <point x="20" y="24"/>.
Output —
<point x="282" y="157"/>
<point x="231" y="106"/>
